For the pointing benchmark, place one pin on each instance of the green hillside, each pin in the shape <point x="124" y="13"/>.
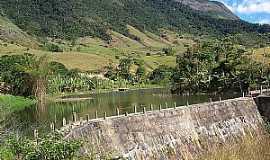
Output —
<point x="90" y="34"/>
<point x="79" y="18"/>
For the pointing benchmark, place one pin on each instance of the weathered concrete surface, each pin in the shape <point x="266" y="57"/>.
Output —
<point x="181" y="133"/>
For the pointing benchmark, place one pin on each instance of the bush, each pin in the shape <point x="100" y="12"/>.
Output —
<point x="53" y="47"/>
<point x="49" y="147"/>
<point x="168" y="51"/>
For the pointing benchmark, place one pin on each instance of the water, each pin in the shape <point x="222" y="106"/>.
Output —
<point x="41" y="117"/>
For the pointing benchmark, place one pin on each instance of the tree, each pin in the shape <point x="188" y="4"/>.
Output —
<point x="26" y="74"/>
<point x="124" y="68"/>
<point x="140" y="73"/>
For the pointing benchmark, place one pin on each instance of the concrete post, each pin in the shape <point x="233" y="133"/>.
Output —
<point x="220" y="99"/>
<point x="144" y="110"/>
<point x="96" y="115"/>
<point x="126" y="114"/>
<point x="210" y="100"/>
<point x="55" y="119"/>
<point x="187" y="103"/>
<point x="52" y="127"/>
<point x="166" y="105"/>
<point x="105" y="115"/>
<point x="243" y="94"/>
<point x="175" y="105"/>
<point x="87" y="117"/>
<point x="74" y="117"/>
<point x="160" y="107"/>
<point x="135" y="109"/>
<point x="117" y="111"/>
<point x="261" y="89"/>
<point x="151" y="107"/>
<point x="64" y="123"/>
<point x="36" y="135"/>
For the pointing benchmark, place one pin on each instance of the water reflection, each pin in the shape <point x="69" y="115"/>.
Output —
<point x="41" y="117"/>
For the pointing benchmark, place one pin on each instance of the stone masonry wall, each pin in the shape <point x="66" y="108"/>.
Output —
<point x="181" y="133"/>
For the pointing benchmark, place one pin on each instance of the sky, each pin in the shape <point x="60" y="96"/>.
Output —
<point x="255" y="11"/>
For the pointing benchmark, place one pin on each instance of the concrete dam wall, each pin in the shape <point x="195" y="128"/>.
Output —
<point x="176" y="133"/>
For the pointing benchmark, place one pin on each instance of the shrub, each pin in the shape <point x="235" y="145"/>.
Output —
<point x="168" y="51"/>
<point x="49" y="147"/>
<point x="148" y="54"/>
<point x="53" y="47"/>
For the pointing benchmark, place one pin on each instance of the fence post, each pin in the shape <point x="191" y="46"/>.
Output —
<point x="187" y="103"/>
<point x="117" y="111"/>
<point x="261" y="89"/>
<point x="81" y="120"/>
<point x="135" y="109"/>
<point x="87" y="117"/>
<point x="220" y="99"/>
<point x="151" y="107"/>
<point x="175" y="105"/>
<point x="160" y="107"/>
<point x="36" y="135"/>
<point x="166" y="105"/>
<point x="55" y="119"/>
<point x="96" y="114"/>
<point x="243" y="94"/>
<point x="144" y="110"/>
<point x="74" y="117"/>
<point x="105" y="115"/>
<point x="64" y="123"/>
<point x="210" y="100"/>
<point x="52" y="127"/>
<point x="126" y="114"/>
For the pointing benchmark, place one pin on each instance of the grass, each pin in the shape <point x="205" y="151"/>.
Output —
<point x="14" y="103"/>
<point x="262" y="55"/>
<point x="256" y="148"/>
<point x="10" y="104"/>
<point x="14" y="34"/>
<point x="93" y="54"/>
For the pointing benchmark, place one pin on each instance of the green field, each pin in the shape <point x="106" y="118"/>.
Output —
<point x="93" y="54"/>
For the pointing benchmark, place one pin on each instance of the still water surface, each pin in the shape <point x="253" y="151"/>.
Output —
<point x="41" y="117"/>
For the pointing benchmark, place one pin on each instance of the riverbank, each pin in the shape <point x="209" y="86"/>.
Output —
<point x="10" y="104"/>
<point x="63" y="97"/>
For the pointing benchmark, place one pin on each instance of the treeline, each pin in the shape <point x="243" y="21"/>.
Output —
<point x="77" y="18"/>
<point x="217" y="67"/>
<point x="214" y="66"/>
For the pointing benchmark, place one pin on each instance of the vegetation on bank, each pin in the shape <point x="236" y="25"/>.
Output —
<point x="10" y="104"/>
<point x="208" y="66"/>
<point x="15" y="103"/>
<point x="50" y="147"/>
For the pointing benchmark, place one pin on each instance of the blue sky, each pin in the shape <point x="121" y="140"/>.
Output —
<point x="255" y="11"/>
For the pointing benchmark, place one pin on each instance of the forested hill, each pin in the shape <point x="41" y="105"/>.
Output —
<point x="77" y="18"/>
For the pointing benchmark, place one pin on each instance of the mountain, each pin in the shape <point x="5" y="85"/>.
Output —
<point x="70" y="19"/>
<point x="212" y="8"/>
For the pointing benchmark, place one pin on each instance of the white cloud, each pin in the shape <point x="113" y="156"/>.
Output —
<point x="248" y="6"/>
<point x="253" y="6"/>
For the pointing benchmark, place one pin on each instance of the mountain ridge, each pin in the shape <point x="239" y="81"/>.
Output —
<point x="210" y="6"/>
<point x="79" y="18"/>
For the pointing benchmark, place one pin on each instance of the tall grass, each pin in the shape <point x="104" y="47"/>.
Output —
<point x="251" y="148"/>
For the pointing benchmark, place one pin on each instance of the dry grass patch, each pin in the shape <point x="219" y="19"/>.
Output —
<point x="81" y="61"/>
<point x="250" y="149"/>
